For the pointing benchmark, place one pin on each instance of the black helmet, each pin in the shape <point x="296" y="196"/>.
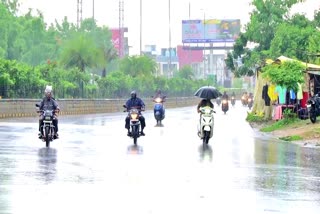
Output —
<point x="133" y="94"/>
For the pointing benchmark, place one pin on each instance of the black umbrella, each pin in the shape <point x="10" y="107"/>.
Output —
<point x="208" y="92"/>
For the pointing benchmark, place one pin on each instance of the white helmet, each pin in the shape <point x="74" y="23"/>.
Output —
<point x="48" y="89"/>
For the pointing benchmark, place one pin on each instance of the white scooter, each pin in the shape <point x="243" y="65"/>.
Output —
<point x="205" y="126"/>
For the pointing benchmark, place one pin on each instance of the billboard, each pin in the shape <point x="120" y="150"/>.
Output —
<point x="115" y="39"/>
<point x="210" y="31"/>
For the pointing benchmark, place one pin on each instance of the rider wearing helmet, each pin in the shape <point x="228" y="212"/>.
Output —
<point x="136" y="102"/>
<point x="48" y="103"/>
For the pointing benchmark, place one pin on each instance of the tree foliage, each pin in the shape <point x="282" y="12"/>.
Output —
<point x="34" y="54"/>
<point x="185" y="72"/>
<point x="268" y="30"/>
<point x="138" y="66"/>
<point x="287" y="73"/>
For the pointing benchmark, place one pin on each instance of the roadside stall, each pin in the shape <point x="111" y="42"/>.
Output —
<point x="276" y="99"/>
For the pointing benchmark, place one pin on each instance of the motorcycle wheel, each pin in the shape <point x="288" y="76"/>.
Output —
<point x="135" y="139"/>
<point x="206" y="138"/>
<point x="313" y="116"/>
<point x="134" y="135"/>
<point x="46" y="131"/>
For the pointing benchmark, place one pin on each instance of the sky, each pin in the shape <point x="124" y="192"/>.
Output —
<point x="155" y="15"/>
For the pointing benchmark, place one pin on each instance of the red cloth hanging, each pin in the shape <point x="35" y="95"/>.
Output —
<point x="304" y="100"/>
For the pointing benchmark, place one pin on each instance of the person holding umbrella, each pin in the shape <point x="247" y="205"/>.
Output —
<point x="204" y="103"/>
<point x="207" y="93"/>
<point x="205" y="108"/>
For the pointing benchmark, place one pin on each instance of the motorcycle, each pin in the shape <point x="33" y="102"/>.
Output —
<point x="233" y="100"/>
<point x="225" y="105"/>
<point x="159" y="110"/>
<point x="48" y="129"/>
<point x="218" y="101"/>
<point x="250" y="103"/>
<point x="244" y="100"/>
<point x="135" y="125"/>
<point x="205" y="126"/>
<point x="313" y="106"/>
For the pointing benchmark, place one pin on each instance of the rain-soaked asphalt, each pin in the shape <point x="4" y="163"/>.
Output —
<point x="93" y="168"/>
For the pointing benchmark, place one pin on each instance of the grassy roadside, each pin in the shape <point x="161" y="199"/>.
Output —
<point x="288" y="129"/>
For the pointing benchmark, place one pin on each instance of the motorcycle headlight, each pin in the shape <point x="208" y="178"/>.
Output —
<point x="134" y="116"/>
<point x="158" y="100"/>
<point x="249" y="100"/>
<point x="242" y="97"/>
<point x="224" y="102"/>
<point x="47" y="118"/>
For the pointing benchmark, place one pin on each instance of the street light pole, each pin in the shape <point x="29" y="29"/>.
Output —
<point x="204" y="44"/>
<point x="170" y="72"/>
<point x="140" y="27"/>
<point x="93" y="10"/>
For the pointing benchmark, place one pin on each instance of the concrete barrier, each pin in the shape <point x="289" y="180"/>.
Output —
<point x="26" y="107"/>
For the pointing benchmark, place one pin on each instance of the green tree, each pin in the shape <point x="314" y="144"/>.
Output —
<point x="81" y="52"/>
<point x="138" y="66"/>
<point x="314" y="47"/>
<point x="185" y="72"/>
<point x="102" y="38"/>
<point x="287" y="74"/>
<point x="292" y="39"/>
<point x="266" y="16"/>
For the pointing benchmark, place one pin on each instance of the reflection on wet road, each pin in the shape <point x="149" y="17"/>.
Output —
<point x="95" y="168"/>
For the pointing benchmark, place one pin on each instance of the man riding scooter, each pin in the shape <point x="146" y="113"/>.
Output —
<point x="233" y="99"/>
<point x="225" y="102"/>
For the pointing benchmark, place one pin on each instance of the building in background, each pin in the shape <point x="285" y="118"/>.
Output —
<point x="165" y="59"/>
<point x="150" y="50"/>
<point x="193" y="58"/>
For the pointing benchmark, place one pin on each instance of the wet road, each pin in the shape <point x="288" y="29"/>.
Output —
<point x="93" y="168"/>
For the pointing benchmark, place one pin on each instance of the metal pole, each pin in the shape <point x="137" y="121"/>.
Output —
<point x="93" y="9"/>
<point x="189" y="52"/>
<point x="120" y="36"/>
<point x="140" y="27"/>
<point x="170" y="71"/>
<point x="78" y="14"/>
<point x="204" y="43"/>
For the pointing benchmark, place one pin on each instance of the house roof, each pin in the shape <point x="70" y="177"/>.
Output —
<point x="310" y="67"/>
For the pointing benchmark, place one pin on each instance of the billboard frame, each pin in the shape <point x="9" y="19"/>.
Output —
<point x="210" y="30"/>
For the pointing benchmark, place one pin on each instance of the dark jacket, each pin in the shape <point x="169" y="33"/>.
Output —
<point x="265" y="95"/>
<point x="48" y="104"/>
<point x="135" y="102"/>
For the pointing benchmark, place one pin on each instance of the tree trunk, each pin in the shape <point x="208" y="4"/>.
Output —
<point x="259" y="107"/>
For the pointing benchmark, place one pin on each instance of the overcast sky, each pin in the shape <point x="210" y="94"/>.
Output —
<point x="155" y="24"/>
